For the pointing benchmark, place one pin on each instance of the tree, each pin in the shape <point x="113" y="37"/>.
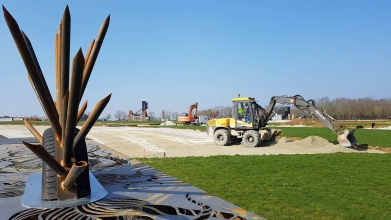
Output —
<point x="152" y="116"/>
<point x="108" y="117"/>
<point x="174" y="115"/>
<point x="120" y="115"/>
<point x="168" y="115"/>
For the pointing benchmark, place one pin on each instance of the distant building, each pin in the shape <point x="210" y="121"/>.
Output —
<point x="284" y="112"/>
<point x="6" y="118"/>
<point x="276" y="117"/>
<point x="84" y="117"/>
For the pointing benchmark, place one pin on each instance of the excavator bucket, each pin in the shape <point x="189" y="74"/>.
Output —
<point x="347" y="138"/>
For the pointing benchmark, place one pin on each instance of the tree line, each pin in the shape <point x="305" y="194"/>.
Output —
<point x="356" y="109"/>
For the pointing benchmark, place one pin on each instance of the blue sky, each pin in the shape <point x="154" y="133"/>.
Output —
<point x="175" y="53"/>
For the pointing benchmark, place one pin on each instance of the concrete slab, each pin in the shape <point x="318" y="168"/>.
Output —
<point x="18" y="140"/>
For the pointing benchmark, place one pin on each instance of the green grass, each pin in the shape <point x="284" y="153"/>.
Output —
<point x="367" y="124"/>
<point x="127" y="123"/>
<point x="22" y="123"/>
<point x="347" y="124"/>
<point x="323" y="186"/>
<point x="380" y="138"/>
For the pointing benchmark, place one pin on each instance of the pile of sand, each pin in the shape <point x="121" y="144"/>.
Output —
<point x="168" y="123"/>
<point x="311" y="145"/>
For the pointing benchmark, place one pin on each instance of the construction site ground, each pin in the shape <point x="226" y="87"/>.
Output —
<point x="138" y="142"/>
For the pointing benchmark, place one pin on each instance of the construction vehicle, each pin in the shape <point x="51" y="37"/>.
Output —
<point x="250" y="119"/>
<point x="189" y="118"/>
<point x="202" y="119"/>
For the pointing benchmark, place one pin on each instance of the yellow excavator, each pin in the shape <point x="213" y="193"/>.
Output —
<point x="250" y="119"/>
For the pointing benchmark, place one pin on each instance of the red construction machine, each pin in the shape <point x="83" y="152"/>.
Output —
<point x="190" y="117"/>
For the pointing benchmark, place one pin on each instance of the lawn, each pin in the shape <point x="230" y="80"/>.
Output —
<point x="324" y="186"/>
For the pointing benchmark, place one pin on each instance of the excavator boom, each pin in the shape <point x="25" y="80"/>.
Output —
<point x="345" y="137"/>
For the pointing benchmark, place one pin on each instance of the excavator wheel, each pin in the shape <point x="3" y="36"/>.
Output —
<point x="251" y="138"/>
<point x="273" y="138"/>
<point x="221" y="137"/>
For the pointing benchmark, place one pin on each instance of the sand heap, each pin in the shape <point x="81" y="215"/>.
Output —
<point x="311" y="144"/>
<point x="168" y="123"/>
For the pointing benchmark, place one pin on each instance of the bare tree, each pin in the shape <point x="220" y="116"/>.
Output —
<point x="152" y="116"/>
<point x="226" y="112"/>
<point x="174" y="115"/>
<point x="108" y="117"/>
<point x="120" y="115"/>
<point x="168" y="115"/>
<point x="356" y="109"/>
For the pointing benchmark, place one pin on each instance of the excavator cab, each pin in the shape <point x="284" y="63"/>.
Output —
<point x="244" y="112"/>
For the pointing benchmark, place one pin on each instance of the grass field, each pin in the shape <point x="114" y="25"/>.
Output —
<point x="324" y="186"/>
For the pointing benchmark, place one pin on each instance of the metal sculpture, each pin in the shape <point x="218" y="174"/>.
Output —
<point x="68" y="160"/>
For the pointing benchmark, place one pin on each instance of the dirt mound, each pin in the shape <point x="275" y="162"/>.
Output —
<point x="311" y="144"/>
<point x="168" y="123"/>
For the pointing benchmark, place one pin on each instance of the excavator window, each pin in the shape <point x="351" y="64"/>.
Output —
<point x="243" y="114"/>
<point x="241" y="111"/>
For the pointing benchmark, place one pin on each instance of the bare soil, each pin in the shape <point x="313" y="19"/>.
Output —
<point x="136" y="142"/>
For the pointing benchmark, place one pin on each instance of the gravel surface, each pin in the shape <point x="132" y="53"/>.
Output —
<point x="167" y="142"/>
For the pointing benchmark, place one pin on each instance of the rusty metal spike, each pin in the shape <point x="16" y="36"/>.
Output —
<point x="64" y="117"/>
<point x="73" y="104"/>
<point x="46" y="97"/>
<point x="94" y="53"/>
<point x="59" y="95"/>
<point x="81" y="112"/>
<point x="33" y="130"/>
<point x="75" y="171"/>
<point x="91" y="120"/>
<point x="58" y="76"/>
<point x="89" y="51"/>
<point x="27" y="53"/>
<point x="65" y="54"/>
<point x="47" y="158"/>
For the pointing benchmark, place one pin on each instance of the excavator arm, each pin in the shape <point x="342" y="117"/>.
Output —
<point x="345" y="138"/>
<point x="193" y="107"/>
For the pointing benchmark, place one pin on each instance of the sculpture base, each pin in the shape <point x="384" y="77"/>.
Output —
<point x="32" y="194"/>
